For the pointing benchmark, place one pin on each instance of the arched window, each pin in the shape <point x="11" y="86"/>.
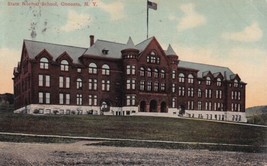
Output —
<point x="208" y="81"/>
<point x="219" y="82"/>
<point x="64" y="65"/>
<point x="235" y="83"/>
<point x="190" y="79"/>
<point x="162" y="73"/>
<point x="181" y="77"/>
<point x="79" y="83"/>
<point x="173" y="74"/>
<point x="149" y="72"/>
<point x="142" y="71"/>
<point x="156" y="73"/>
<point x="43" y="63"/>
<point x="92" y="68"/>
<point x="105" y="70"/>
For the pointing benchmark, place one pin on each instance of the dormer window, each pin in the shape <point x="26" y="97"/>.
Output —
<point x="235" y="83"/>
<point x="105" y="52"/>
<point x="219" y="82"/>
<point x="105" y="69"/>
<point x="208" y="81"/>
<point x="64" y="65"/>
<point x="190" y="79"/>
<point x="92" y="68"/>
<point x="43" y="63"/>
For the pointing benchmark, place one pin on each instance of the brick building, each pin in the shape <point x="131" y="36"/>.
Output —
<point x="124" y="79"/>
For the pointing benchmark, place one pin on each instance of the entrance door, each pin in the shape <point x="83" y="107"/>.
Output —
<point x="153" y="106"/>
<point x="142" y="106"/>
<point x="163" y="107"/>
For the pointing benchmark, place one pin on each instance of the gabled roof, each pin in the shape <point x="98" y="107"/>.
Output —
<point x="141" y="46"/>
<point x="205" y="68"/>
<point x="55" y="50"/>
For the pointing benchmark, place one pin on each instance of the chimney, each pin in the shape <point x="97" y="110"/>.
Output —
<point x="92" y="40"/>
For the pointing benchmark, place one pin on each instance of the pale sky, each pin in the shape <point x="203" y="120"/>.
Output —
<point x="230" y="33"/>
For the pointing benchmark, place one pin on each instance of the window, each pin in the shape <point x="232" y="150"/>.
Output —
<point x="41" y="97"/>
<point x="156" y="73"/>
<point x="190" y="105"/>
<point x="173" y="88"/>
<point x="64" y="65"/>
<point x="105" y="85"/>
<point x="162" y="87"/>
<point x="190" y="79"/>
<point x="92" y="100"/>
<point x="92" y="68"/>
<point x="130" y="84"/>
<point x="79" y="83"/>
<point x="47" y="81"/>
<point x="67" y="82"/>
<point x="162" y="73"/>
<point x="190" y="92"/>
<point x="92" y="84"/>
<point x="208" y="81"/>
<point x="199" y="93"/>
<point x="44" y="80"/>
<point x="173" y="102"/>
<point x="199" y="105"/>
<point x="47" y="98"/>
<point x="67" y="99"/>
<point x="130" y="70"/>
<point x="173" y="74"/>
<point x="156" y="86"/>
<point x="142" y="85"/>
<point x="43" y="63"/>
<point x="149" y="84"/>
<point x="181" y="77"/>
<point x="79" y="98"/>
<point x="41" y="80"/>
<point x="61" y="98"/>
<point x="181" y="91"/>
<point x="130" y="100"/>
<point x="218" y="94"/>
<point x="44" y="98"/>
<point x="149" y="73"/>
<point x="219" y="82"/>
<point x="208" y="93"/>
<point x="105" y="70"/>
<point x="79" y="70"/>
<point x="142" y="71"/>
<point x="152" y="58"/>
<point x="235" y="83"/>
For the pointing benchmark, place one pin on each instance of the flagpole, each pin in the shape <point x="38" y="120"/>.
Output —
<point x="147" y="19"/>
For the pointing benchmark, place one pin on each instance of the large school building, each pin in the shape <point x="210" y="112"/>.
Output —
<point x="124" y="79"/>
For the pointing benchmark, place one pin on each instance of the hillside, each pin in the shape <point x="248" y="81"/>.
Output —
<point x="257" y="110"/>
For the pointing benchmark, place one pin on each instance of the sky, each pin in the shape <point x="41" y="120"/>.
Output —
<point x="230" y="33"/>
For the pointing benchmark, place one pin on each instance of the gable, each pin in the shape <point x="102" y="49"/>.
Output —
<point x="152" y="53"/>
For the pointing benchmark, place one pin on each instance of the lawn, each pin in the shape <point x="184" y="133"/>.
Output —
<point x="145" y="128"/>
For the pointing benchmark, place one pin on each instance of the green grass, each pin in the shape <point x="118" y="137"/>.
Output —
<point x="148" y="128"/>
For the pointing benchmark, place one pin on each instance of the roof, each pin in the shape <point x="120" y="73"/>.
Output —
<point x="170" y="51"/>
<point x="141" y="46"/>
<point x="114" y="49"/>
<point x="205" y="68"/>
<point x="55" y="50"/>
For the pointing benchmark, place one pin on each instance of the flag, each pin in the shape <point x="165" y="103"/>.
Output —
<point x="152" y="5"/>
